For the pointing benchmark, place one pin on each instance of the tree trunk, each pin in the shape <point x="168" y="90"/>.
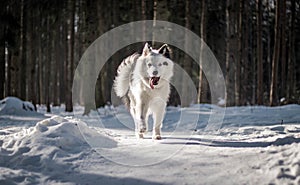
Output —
<point x="48" y="64"/>
<point x="56" y="48"/>
<point x="245" y="64"/>
<point x="239" y="57"/>
<point x="70" y="58"/>
<point x="259" y="54"/>
<point x="268" y="69"/>
<point x="201" y="89"/>
<point x="154" y="19"/>
<point x="58" y="60"/>
<point x="2" y="66"/>
<point x="90" y="72"/>
<point x="31" y="58"/>
<point x="283" y="51"/>
<point x="8" y="85"/>
<point x="40" y="58"/>
<point x="63" y="56"/>
<point x="185" y="99"/>
<point x="290" y="91"/>
<point x="275" y="59"/>
<point x="251" y="61"/>
<point x="33" y="63"/>
<point x="228" y="35"/>
<point x="2" y="54"/>
<point x="22" y="54"/>
<point x="144" y="17"/>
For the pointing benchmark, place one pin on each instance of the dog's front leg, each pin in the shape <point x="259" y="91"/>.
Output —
<point x="158" y="108"/>
<point x="140" y="117"/>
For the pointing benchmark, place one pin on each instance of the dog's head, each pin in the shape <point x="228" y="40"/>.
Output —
<point x="157" y="64"/>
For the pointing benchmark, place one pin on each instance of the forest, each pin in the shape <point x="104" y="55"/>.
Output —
<point x="256" y="43"/>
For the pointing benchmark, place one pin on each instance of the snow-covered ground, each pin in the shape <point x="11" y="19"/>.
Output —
<point x="253" y="145"/>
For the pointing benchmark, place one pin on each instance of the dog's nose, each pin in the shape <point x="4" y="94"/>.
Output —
<point x="155" y="72"/>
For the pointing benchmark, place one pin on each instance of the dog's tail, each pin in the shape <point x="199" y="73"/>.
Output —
<point x="124" y="72"/>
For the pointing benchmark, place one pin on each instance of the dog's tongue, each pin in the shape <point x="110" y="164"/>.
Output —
<point x="153" y="81"/>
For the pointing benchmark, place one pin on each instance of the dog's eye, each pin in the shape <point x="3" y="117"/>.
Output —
<point x="165" y="63"/>
<point x="159" y="64"/>
<point x="149" y="65"/>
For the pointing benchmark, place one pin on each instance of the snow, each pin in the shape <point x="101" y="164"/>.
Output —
<point x="221" y="102"/>
<point x="15" y="106"/>
<point x="253" y="145"/>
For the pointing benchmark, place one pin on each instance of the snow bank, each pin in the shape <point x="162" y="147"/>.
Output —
<point x="15" y="106"/>
<point x="43" y="152"/>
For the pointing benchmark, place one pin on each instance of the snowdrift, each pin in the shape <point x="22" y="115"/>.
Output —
<point x="15" y="106"/>
<point x="42" y="152"/>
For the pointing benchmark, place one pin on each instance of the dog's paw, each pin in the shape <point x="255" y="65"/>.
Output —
<point x="156" y="137"/>
<point x="143" y="129"/>
<point x="139" y="135"/>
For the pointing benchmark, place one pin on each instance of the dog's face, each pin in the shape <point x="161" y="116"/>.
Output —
<point x="157" y="64"/>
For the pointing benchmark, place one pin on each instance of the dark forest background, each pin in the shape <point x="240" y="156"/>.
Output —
<point x="256" y="43"/>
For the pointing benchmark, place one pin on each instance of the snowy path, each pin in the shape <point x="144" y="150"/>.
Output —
<point x="253" y="146"/>
<point x="218" y="161"/>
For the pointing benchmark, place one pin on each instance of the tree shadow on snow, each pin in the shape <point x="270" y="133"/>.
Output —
<point x="86" y="178"/>
<point x="231" y="144"/>
<point x="66" y="174"/>
<point x="36" y="170"/>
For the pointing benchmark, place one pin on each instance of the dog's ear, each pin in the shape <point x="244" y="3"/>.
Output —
<point x="165" y="51"/>
<point x="147" y="49"/>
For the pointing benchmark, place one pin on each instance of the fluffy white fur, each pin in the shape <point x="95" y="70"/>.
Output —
<point x="143" y="83"/>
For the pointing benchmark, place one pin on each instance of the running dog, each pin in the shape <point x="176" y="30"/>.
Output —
<point x="142" y="82"/>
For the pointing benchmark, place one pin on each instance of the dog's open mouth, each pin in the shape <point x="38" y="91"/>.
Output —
<point x="154" y="81"/>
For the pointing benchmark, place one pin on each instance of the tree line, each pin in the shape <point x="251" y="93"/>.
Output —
<point x="255" y="42"/>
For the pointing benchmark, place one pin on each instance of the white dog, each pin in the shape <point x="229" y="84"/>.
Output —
<point x="143" y="84"/>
